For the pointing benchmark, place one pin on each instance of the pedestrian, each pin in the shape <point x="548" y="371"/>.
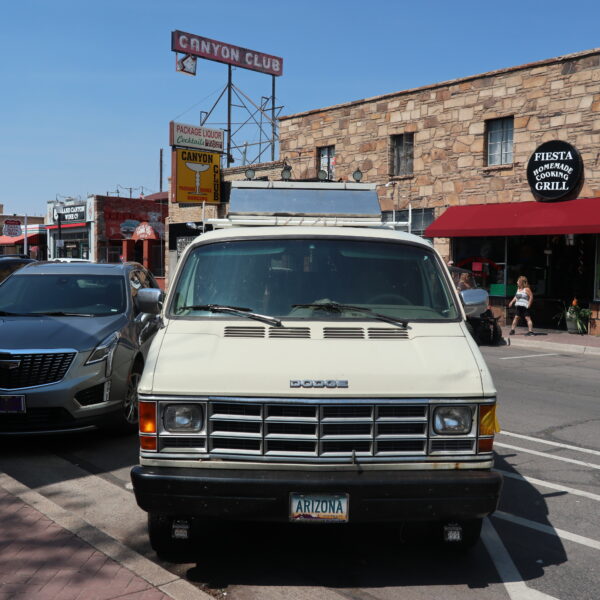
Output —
<point x="523" y="300"/>
<point x="464" y="282"/>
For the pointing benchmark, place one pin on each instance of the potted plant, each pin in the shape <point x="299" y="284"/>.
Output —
<point x="575" y="317"/>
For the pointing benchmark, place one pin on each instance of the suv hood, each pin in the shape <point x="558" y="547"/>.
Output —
<point x="49" y="333"/>
<point x="195" y="358"/>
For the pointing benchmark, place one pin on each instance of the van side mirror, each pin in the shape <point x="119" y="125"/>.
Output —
<point x="475" y="301"/>
<point x="150" y="300"/>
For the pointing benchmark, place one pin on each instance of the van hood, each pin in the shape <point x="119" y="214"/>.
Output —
<point x="195" y="358"/>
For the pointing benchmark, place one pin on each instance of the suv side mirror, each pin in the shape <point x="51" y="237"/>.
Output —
<point x="475" y="301"/>
<point x="150" y="300"/>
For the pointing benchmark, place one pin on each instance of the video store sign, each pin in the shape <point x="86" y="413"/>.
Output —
<point x="69" y="214"/>
<point x="554" y="170"/>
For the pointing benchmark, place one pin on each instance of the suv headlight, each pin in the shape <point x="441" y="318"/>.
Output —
<point x="452" y="420"/>
<point x="183" y="418"/>
<point x="105" y="350"/>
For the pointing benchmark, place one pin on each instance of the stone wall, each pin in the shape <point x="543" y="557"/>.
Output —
<point x="553" y="99"/>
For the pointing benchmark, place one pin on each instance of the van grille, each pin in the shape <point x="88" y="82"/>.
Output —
<point x="316" y="430"/>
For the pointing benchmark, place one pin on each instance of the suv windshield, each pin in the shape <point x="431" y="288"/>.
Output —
<point x="286" y="277"/>
<point x="62" y="293"/>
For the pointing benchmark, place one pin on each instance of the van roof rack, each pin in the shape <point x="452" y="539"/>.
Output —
<point x="268" y="203"/>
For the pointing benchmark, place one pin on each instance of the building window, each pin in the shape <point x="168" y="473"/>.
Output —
<point x="326" y="163"/>
<point x="421" y="219"/>
<point x="500" y="141"/>
<point x="402" y="154"/>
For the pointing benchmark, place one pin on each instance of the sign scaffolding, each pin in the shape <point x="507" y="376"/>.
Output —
<point x="194" y="46"/>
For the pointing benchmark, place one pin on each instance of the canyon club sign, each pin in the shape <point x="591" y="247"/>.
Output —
<point x="194" y="45"/>
<point x="554" y="170"/>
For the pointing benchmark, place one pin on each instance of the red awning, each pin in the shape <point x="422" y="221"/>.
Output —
<point x="518" y="218"/>
<point x="7" y="240"/>
<point x="66" y="225"/>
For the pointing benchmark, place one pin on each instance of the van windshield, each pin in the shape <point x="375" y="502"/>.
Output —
<point x="274" y="276"/>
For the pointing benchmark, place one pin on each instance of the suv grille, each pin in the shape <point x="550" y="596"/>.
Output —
<point x="34" y="369"/>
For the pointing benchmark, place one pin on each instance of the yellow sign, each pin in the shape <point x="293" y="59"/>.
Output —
<point x="197" y="176"/>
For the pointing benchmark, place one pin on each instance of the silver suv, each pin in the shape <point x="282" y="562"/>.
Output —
<point x="72" y="346"/>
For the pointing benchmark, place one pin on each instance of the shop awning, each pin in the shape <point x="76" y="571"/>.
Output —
<point x="7" y="240"/>
<point x="518" y="218"/>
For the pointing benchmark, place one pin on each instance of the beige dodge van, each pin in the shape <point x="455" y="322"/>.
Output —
<point x="313" y="369"/>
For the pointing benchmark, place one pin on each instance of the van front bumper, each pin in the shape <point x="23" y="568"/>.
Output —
<point x="264" y="495"/>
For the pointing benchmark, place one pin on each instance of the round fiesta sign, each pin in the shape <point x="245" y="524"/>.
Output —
<point x="554" y="170"/>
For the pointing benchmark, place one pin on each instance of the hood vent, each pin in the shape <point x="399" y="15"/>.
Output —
<point x="344" y="333"/>
<point x="289" y="332"/>
<point x="245" y="332"/>
<point x="386" y="333"/>
<point x="331" y="333"/>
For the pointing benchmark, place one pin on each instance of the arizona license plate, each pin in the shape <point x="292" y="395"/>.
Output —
<point x="332" y="508"/>
<point x="12" y="404"/>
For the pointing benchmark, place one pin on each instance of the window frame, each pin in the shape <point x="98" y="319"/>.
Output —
<point x="503" y="138"/>
<point x="402" y="150"/>
<point x="327" y="153"/>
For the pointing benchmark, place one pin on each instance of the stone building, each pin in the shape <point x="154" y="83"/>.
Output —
<point x="458" y="153"/>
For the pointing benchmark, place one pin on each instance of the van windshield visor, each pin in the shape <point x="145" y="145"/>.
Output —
<point x="287" y="277"/>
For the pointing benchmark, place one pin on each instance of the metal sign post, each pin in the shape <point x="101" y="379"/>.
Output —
<point x="193" y="46"/>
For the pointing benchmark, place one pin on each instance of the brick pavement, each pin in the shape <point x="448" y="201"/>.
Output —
<point x="39" y="559"/>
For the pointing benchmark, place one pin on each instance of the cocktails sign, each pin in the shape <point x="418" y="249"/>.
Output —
<point x="554" y="170"/>
<point x="195" y="45"/>
<point x="194" y="136"/>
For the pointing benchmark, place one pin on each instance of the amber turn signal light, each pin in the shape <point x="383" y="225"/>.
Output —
<point x="488" y="424"/>
<point x="147" y="414"/>
<point x="147" y="442"/>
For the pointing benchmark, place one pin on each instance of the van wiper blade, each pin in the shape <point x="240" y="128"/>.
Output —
<point x="240" y="311"/>
<point x="338" y="307"/>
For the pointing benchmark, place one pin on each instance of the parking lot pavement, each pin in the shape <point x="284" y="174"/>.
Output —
<point x="46" y="552"/>
<point x="553" y="340"/>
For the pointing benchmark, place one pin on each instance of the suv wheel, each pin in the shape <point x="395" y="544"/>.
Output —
<point x="130" y="404"/>
<point x="126" y="419"/>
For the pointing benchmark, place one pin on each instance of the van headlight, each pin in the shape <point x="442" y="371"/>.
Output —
<point x="183" y="418"/>
<point x="452" y="420"/>
<point x="105" y="350"/>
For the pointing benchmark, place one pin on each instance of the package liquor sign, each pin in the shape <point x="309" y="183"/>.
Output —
<point x="195" y="45"/>
<point x="194" y="136"/>
<point x="197" y="176"/>
<point x="554" y="170"/>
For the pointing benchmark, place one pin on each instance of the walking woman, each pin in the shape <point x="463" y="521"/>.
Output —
<point x="523" y="300"/>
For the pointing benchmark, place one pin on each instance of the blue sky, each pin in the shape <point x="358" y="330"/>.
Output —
<point x="88" y="88"/>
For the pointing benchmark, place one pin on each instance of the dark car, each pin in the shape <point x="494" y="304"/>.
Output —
<point x="10" y="263"/>
<point x="72" y="346"/>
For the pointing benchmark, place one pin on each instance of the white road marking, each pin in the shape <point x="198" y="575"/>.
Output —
<point x="561" y="533"/>
<point x="557" y="444"/>
<point x="546" y="455"/>
<point x="527" y="356"/>
<point x="552" y="486"/>
<point x="508" y="572"/>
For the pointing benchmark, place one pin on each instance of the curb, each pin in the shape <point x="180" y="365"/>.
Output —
<point x="139" y="565"/>
<point x="555" y="346"/>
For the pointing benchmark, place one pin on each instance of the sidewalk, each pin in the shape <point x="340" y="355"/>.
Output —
<point x="49" y="553"/>
<point x="552" y="340"/>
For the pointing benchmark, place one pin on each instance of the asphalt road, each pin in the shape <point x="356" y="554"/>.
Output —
<point x="543" y="543"/>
